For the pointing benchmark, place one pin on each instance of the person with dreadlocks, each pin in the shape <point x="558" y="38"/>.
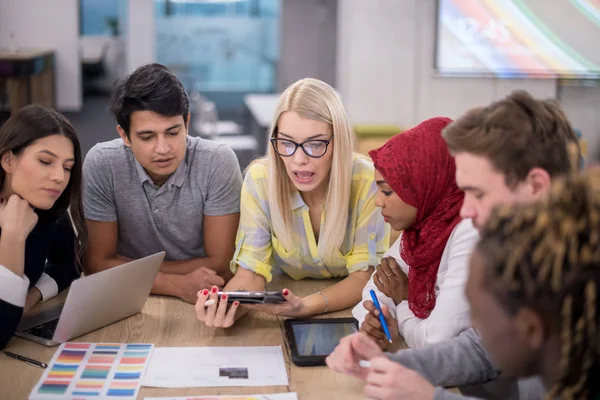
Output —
<point x="533" y="290"/>
<point x="420" y="280"/>
<point x="508" y="152"/>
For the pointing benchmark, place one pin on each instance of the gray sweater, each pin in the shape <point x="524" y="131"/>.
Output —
<point x="462" y="361"/>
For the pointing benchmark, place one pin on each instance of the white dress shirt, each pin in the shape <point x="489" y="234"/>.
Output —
<point x="450" y="315"/>
<point x="13" y="288"/>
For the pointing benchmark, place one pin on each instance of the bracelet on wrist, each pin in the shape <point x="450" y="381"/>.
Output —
<point x="326" y="301"/>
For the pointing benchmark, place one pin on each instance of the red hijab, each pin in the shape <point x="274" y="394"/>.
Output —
<point x="417" y="166"/>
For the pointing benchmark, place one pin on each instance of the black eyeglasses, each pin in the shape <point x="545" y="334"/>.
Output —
<point x="312" y="148"/>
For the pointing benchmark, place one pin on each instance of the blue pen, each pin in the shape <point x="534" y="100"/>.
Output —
<point x="381" y="317"/>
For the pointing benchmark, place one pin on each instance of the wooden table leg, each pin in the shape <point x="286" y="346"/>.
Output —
<point x="17" y="93"/>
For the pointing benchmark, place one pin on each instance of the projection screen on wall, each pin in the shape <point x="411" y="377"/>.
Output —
<point x="519" y="38"/>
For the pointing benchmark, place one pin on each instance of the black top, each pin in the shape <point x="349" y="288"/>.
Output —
<point x="50" y="248"/>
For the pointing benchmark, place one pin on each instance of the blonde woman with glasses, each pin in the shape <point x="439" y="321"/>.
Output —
<point x="307" y="208"/>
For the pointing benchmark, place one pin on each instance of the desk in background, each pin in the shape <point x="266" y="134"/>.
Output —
<point x="29" y="77"/>
<point x="171" y="322"/>
<point x="261" y="109"/>
<point x="369" y="137"/>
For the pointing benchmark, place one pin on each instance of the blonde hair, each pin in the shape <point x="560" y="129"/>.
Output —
<point x="316" y="100"/>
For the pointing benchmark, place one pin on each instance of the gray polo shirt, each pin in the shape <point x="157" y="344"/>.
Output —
<point x="170" y="217"/>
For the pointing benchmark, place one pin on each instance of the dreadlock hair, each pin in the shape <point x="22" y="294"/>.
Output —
<point x="546" y="256"/>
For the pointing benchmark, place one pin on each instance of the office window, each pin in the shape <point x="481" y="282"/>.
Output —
<point x="219" y="45"/>
<point x="99" y="17"/>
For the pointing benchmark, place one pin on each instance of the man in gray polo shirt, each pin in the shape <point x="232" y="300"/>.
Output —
<point x="156" y="188"/>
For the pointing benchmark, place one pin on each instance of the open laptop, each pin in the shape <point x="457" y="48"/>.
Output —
<point x="95" y="301"/>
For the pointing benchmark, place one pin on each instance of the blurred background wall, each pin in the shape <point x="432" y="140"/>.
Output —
<point x="388" y="59"/>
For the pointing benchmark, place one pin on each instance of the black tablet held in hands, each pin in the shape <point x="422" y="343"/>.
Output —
<point x="259" y="297"/>
<point x="312" y="340"/>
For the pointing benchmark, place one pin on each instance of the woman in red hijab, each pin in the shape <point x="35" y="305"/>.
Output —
<point x="421" y="278"/>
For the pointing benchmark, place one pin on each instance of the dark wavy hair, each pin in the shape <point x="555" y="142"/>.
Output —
<point x="35" y="122"/>
<point x="150" y="87"/>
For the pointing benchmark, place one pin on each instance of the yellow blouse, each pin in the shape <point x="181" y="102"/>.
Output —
<point x="259" y="250"/>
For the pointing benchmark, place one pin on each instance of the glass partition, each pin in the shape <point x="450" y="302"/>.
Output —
<point x="219" y="46"/>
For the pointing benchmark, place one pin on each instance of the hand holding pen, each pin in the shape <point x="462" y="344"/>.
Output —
<point x="381" y="317"/>
<point x="373" y="327"/>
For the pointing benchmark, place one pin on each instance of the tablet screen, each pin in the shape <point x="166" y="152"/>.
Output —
<point x="320" y="339"/>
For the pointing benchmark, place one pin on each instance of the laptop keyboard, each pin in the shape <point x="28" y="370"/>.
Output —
<point x="45" y="330"/>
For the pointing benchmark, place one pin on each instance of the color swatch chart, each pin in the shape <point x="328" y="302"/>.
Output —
<point x="94" y="370"/>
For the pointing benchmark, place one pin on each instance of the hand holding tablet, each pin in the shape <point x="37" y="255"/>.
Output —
<point x="255" y="297"/>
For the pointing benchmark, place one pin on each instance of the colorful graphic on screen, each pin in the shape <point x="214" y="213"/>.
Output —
<point x="519" y="38"/>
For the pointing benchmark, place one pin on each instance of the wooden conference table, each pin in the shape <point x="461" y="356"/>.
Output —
<point x="171" y="322"/>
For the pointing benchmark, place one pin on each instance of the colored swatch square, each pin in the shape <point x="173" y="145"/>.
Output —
<point x="115" y="352"/>
<point x="54" y="387"/>
<point x="95" y="372"/>
<point x="133" y="360"/>
<point x="108" y="346"/>
<point x="89" y="385"/>
<point x="124" y="385"/>
<point x="128" y="375"/>
<point x="138" y="347"/>
<point x="85" y="393"/>
<point x="102" y="359"/>
<point x="121" y="392"/>
<point x="136" y="354"/>
<point x="80" y="346"/>
<point x="71" y="356"/>
<point x="121" y="389"/>
<point x="63" y="371"/>
<point x="130" y="368"/>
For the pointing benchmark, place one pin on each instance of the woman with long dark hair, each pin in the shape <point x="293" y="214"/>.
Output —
<point x="42" y="233"/>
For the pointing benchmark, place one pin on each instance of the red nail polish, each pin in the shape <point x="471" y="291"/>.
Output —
<point x="204" y="292"/>
<point x="285" y="292"/>
<point x="236" y="303"/>
<point x="224" y="297"/>
<point x="214" y="289"/>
